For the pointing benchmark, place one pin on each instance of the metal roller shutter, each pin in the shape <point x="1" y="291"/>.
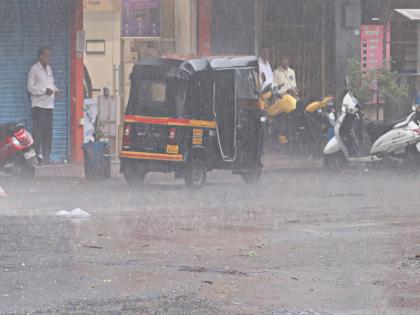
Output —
<point x="25" y="26"/>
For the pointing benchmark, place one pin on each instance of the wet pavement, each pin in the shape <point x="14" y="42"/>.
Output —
<point x="296" y="243"/>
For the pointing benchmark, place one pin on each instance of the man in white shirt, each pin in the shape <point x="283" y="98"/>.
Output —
<point x="285" y="77"/>
<point x="265" y="71"/>
<point x="42" y="89"/>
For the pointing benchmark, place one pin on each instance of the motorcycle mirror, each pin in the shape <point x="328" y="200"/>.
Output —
<point x="415" y="108"/>
<point x="21" y="122"/>
<point x="264" y="90"/>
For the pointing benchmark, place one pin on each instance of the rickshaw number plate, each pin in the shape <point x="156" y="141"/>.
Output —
<point x="197" y="141"/>
<point x="198" y="132"/>
<point x="172" y="149"/>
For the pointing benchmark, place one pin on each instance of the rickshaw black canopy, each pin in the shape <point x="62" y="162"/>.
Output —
<point x="184" y="69"/>
<point x="173" y="77"/>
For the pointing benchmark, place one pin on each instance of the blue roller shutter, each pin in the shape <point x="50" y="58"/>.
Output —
<point x="25" y="26"/>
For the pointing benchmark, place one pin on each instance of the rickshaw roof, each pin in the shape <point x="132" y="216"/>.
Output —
<point x="186" y="67"/>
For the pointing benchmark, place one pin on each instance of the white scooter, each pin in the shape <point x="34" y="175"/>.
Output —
<point x="397" y="142"/>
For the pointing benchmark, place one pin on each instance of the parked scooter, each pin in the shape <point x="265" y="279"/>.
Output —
<point x="17" y="154"/>
<point x="397" y="142"/>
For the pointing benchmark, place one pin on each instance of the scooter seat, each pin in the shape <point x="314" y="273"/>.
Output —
<point x="10" y="128"/>
<point x="375" y="129"/>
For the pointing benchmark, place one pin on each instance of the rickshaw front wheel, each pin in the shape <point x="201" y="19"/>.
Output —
<point x="195" y="174"/>
<point x="252" y="176"/>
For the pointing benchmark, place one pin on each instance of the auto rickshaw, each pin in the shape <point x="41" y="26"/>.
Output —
<point x="191" y="116"/>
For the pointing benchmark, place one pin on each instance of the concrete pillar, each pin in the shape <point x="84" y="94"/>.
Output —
<point x="204" y="27"/>
<point x="348" y="18"/>
<point x="186" y="26"/>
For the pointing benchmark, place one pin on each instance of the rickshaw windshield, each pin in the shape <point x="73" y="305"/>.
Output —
<point x="158" y="97"/>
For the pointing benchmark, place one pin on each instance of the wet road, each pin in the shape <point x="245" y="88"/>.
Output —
<point x="305" y="243"/>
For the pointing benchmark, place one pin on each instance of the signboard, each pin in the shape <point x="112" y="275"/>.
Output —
<point x="372" y="45"/>
<point x="140" y="18"/>
<point x="373" y="54"/>
<point x="100" y="5"/>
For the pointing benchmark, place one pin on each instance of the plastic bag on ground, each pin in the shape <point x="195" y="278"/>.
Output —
<point x="76" y="213"/>
<point x="2" y="193"/>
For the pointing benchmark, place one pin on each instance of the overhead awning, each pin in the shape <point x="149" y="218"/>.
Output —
<point x="412" y="14"/>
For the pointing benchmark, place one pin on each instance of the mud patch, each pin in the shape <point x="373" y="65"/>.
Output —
<point x="216" y="271"/>
<point x="412" y="264"/>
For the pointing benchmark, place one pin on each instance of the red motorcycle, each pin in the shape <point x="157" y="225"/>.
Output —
<point x="17" y="153"/>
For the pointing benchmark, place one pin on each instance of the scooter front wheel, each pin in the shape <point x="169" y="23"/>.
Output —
<point x="334" y="162"/>
<point x="25" y="171"/>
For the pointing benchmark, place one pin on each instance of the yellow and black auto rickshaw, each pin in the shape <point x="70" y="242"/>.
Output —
<point x="192" y="116"/>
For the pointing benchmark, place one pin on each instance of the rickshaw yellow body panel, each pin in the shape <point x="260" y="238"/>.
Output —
<point x="151" y="156"/>
<point x="172" y="151"/>
<point x="170" y="121"/>
<point x="286" y="104"/>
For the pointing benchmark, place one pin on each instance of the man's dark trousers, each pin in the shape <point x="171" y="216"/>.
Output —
<point x="43" y="122"/>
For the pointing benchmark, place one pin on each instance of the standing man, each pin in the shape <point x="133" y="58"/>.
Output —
<point x="285" y="77"/>
<point x="265" y="71"/>
<point x="42" y="89"/>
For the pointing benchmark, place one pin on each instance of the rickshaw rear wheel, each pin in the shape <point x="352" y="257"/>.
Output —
<point x="134" y="176"/>
<point x="195" y="174"/>
<point x="252" y="176"/>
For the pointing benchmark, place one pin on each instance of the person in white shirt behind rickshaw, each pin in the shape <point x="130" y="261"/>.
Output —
<point x="265" y="71"/>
